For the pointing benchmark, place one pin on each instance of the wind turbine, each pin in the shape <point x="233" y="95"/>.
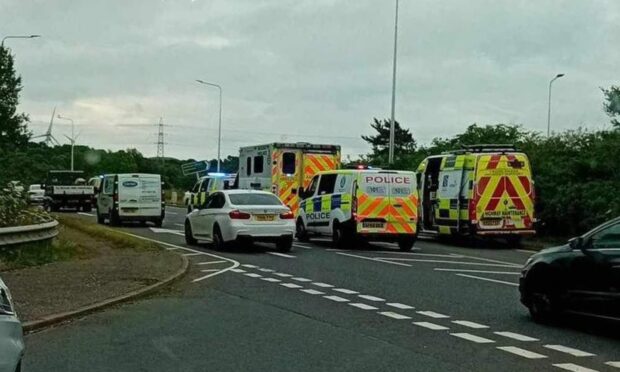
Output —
<point x="49" y="138"/>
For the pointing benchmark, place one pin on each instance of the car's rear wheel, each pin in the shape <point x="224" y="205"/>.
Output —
<point x="218" y="240"/>
<point x="189" y="235"/>
<point x="284" y="244"/>
<point x="300" y="231"/>
<point x="406" y="243"/>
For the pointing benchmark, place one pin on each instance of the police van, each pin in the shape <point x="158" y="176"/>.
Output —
<point x="208" y="184"/>
<point x="348" y="204"/>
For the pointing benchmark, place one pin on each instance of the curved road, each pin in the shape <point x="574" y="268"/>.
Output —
<point x="439" y="308"/>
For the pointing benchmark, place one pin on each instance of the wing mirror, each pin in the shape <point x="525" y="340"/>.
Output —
<point x="576" y="242"/>
<point x="301" y="192"/>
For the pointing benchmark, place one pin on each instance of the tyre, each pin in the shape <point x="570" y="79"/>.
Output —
<point x="19" y="367"/>
<point x="189" y="209"/>
<point x="284" y="244"/>
<point x="158" y="222"/>
<point x="340" y="238"/>
<point x="87" y="207"/>
<point x="544" y="306"/>
<point x="218" y="240"/>
<point x="114" y="218"/>
<point x="406" y="243"/>
<point x="100" y="219"/>
<point x="189" y="235"/>
<point x="300" y="231"/>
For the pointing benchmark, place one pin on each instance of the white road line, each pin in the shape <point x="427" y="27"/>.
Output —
<point x="238" y="270"/>
<point x="301" y="246"/>
<point x="613" y="364"/>
<point x="362" y="306"/>
<point x="86" y="214"/>
<point x="345" y="291"/>
<point x="573" y="367"/>
<point x="173" y="213"/>
<point x="271" y="280"/>
<point x="266" y="270"/>
<point x="253" y="275"/>
<point x="299" y="279"/>
<point x="192" y="254"/>
<point x="433" y="326"/>
<point x="488" y="280"/>
<point x="569" y="350"/>
<point x="371" y="298"/>
<point x="283" y="275"/>
<point x="291" y="285"/>
<point x="400" y="306"/>
<point x="235" y="264"/>
<point x="281" y="254"/>
<point x="433" y="314"/>
<point x="322" y="285"/>
<point x="466" y="323"/>
<point x="451" y="255"/>
<point x="393" y="315"/>
<point x="210" y="262"/>
<point x="516" y="336"/>
<point x="336" y="298"/>
<point x="472" y="338"/>
<point x="209" y="270"/>
<point x="250" y="266"/>
<point x="447" y="262"/>
<point x="372" y="259"/>
<point x="526" y="251"/>
<point x="312" y="291"/>
<point x="519" y="265"/>
<point x="478" y="271"/>
<point x="521" y="352"/>
<point x="334" y="250"/>
<point x="179" y="224"/>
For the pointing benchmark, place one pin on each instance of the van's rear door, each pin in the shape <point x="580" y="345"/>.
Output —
<point x="403" y="212"/>
<point x="503" y="199"/>
<point x="373" y="202"/>
<point x="139" y="194"/>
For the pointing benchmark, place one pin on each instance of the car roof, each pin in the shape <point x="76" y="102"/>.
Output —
<point x="364" y="171"/>
<point x="244" y="191"/>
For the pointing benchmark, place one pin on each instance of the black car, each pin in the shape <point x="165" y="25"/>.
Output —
<point x="582" y="276"/>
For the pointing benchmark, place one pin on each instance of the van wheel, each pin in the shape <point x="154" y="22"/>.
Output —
<point x="406" y="243"/>
<point x="100" y="219"/>
<point x="301" y="232"/>
<point x="189" y="235"/>
<point x="87" y="207"/>
<point x="339" y="236"/>
<point x="158" y="222"/>
<point x="114" y="219"/>
<point x="218" y="241"/>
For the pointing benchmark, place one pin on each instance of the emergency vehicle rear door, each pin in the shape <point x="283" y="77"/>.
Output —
<point x="402" y="215"/>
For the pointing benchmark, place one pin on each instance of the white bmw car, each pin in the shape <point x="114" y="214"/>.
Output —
<point x="11" y="334"/>
<point x="241" y="215"/>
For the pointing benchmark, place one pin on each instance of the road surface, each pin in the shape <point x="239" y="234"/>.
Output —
<point x="439" y="308"/>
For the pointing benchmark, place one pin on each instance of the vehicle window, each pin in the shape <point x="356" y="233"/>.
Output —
<point x="254" y="199"/>
<point x="288" y="163"/>
<point x="208" y="201"/>
<point x="205" y="185"/>
<point x="217" y="202"/>
<point x="258" y="164"/>
<point x="327" y="183"/>
<point x="248" y="166"/>
<point x="196" y="187"/>
<point x="109" y="185"/>
<point x="312" y="186"/>
<point x="607" y="238"/>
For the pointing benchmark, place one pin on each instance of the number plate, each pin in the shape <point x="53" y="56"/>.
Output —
<point x="265" y="217"/>
<point x="372" y="225"/>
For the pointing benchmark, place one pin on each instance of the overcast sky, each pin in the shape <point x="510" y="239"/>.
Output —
<point x="315" y="70"/>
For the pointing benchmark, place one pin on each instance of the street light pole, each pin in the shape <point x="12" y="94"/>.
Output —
<point x="549" y="108"/>
<point x="18" y="37"/>
<point x="392" y="123"/>
<point x="72" y="139"/>
<point x="219" y="127"/>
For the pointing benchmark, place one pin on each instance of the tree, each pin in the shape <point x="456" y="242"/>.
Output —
<point x="612" y="104"/>
<point x="13" y="131"/>
<point x="404" y="144"/>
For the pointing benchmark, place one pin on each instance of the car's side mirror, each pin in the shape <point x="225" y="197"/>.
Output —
<point x="301" y="192"/>
<point x="576" y="242"/>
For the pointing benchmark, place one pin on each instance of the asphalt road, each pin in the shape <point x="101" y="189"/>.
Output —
<point x="439" y="308"/>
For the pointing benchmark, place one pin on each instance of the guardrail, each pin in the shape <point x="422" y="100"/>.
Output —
<point x="28" y="234"/>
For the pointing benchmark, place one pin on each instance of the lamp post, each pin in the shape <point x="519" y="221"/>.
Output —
<point x="18" y="37"/>
<point x="219" y="127"/>
<point x="392" y="123"/>
<point x="72" y="138"/>
<point x="549" y="108"/>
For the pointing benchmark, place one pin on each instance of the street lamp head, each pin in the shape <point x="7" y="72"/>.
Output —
<point x="200" y="81"/>
<point x="559" y="75"/>
<point x="34" y="36"/>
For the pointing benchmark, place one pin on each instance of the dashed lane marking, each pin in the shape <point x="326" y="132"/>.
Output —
<point x="447" y="262"/>
<point x="613" y="364"/>
<point x="253" y="275"/>
<point x="173" y="213"/>
<point x="283" y="275"/>
<point x="521" y="352"/>
<point x="516" y="336"/>
<point x="312" y="291"/>
<point x="362" y="306"/>
<point x="336" y="298"/>
<point x="237" y="270"/>
<point x="372" y="259"/>
<point x="345" y="291"/>
<point x="569" y="350"/>
<point x="478" y="271"/>
<point x="301" y="246"/>
<point x="322" y="285"/>
<point x="281" y="254"/>
<point x="472" y="338"/>
<point x="467" y="323"/>
<point x="210" y="262"/>
<point x="299" y="279"/>
<point x="266" y="270"/>
<point x="393" y="315"/>
<point x="433" y="314"/>
<point x="489" y="280"/>
<point x="86" y="214"/>
<point x="179" y="224"/>
<point x="433" y="326"/>
<point x="291" y="285"/>
<point x="371" y="298"/>
<point x="250" y="266"/>
<point x="400" y="306"/>
<point x="573" y="367"/>
<point x="451" y="255"/>
<point x="271" y="280"/>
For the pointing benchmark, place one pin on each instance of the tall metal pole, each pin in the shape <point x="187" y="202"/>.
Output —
<point x="392" y="122"/>
<point x="549" y="107"/>
<point x="72" y="139"/>
<point x="18" y="37"/>
<point x="219" y="127"/>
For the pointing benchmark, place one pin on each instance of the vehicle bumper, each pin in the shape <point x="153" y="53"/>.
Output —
<point x="263" y="233"/>
<point x="386" y="237"/>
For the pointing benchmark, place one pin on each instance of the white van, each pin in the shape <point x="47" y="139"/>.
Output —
<point x="131" y="197"/>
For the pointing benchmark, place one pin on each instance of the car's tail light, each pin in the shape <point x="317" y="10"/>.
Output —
<point x="287" y="215"/>
<point x="238" y="215"/>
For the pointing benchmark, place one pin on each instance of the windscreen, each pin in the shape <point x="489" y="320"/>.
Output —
<point x="254" y="199"/>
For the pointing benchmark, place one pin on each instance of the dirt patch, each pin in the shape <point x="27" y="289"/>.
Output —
<point x="97" y="271"/>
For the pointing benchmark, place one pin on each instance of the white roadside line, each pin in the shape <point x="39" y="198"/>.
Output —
<point x="433" y="314"/>
<point x="573" y="367"/>
<point x="237" y="270"/>
<point x="209" y="270"/>
<point x="400" y="306"/>
<point x="210" y="262"/>
<point x="488" y="280"/>
<point x="191" y="254"/>
<point x="432" y="326"/>
<point x="281" y="254"/>
<point x="336" y="298"/>
<point x="393" y="315"/>
<point x="420" y="254"/>
<point x="521" y="352"/>
<point x="477" y="271"/>
<point x="467" y="323"/>
<point x="86" y="214"/>
<point x="443" y="262"/>
<point x="234" y="266"/>
<point x="372" y="259"/>
<point x="516" y="336"/>
<point x="362" y="306"/>
<point x="472" y="338"/>
<point x="569" y="350"/>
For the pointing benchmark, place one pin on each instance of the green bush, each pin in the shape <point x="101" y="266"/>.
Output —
<point x="14" y="210"/>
